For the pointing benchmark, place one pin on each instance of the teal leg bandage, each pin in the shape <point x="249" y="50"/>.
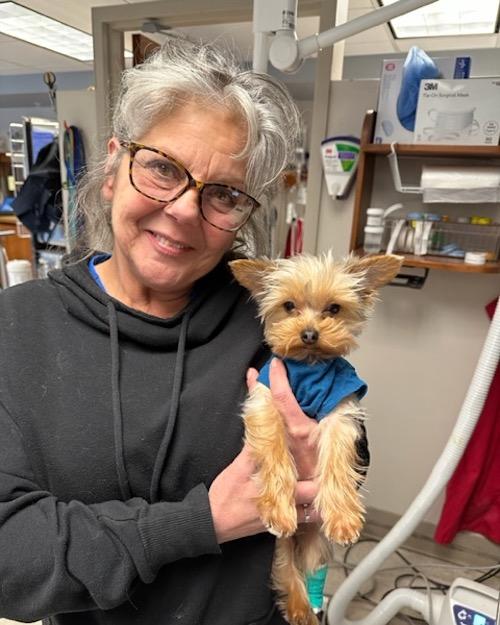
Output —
<point x="315" y="584"/>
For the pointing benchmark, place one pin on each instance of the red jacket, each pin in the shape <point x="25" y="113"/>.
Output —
<point x="473" y="493"/>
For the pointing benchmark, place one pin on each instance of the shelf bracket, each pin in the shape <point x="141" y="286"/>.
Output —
<point x="396" y="176"/>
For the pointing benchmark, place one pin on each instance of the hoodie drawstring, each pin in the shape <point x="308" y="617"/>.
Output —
<point x="121" y="470"/>
<point x="174" y="409"/>
<point x="117" y="404"/>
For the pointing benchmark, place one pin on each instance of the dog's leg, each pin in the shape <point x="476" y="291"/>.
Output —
<point x="276" y="471"/>
<point x="288" y="579"/>
<point x="338" y="499"/>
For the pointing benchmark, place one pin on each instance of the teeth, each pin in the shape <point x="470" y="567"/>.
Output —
<point x="168" y="242"/>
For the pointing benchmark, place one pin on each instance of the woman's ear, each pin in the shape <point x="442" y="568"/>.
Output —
<point x="108" y="185"/>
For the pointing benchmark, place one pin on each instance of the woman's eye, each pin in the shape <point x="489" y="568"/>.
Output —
<point x="221" y="198"/>
<point x="289" y="306"/>
<point x="165" y="170"/>
<point x="333" y="309"/>
<point x="224" y="196"/>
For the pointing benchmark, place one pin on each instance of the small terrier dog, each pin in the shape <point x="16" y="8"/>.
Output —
<point x="312" y="309"/>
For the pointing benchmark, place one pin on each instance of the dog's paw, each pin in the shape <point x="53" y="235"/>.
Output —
<point x="342" y="530"/>
<point x="300" y="613"/>
<point x="280" y="520"/>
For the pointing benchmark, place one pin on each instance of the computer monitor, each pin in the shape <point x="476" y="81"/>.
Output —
<point x="39" y="133"/>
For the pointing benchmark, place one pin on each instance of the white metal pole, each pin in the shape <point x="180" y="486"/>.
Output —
<point x="260" y="52"/>
<point x="442" y="471"/>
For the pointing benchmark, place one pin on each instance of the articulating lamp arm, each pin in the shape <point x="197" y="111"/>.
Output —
<point x="286" y="52"/>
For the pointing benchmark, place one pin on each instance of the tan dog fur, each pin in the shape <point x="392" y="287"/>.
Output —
<point x="315" y="286"/>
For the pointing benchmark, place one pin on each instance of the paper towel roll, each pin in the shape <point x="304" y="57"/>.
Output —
<point x="460" y="184"/>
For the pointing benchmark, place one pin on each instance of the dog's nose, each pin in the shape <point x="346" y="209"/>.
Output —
<point x="309" y="337"/>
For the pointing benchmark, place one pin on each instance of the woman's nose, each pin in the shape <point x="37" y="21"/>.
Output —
<point x="186" y="208"/>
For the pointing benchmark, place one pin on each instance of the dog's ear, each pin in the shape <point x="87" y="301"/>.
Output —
<point x="251" y="273"/>
<point x="377" y="270"/>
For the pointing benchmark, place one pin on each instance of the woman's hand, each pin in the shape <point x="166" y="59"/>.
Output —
<point x="302" y="431"/>
<point x="233" y="494"/>
<point x="233" y="500"/>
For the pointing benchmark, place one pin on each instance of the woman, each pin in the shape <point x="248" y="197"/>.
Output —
<point x="125" y="496"/>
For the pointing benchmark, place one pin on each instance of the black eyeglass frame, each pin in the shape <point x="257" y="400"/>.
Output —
<point x="192" y="183"/>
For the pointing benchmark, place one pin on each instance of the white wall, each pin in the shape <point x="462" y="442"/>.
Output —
<point x="418" y="352"/>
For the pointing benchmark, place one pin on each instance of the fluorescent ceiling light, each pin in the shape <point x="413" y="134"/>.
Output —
<point x="40" y="30"/>
<point x="446" y="18"/>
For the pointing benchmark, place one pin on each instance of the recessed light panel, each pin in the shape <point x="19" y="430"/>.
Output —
<point x="447" y="18"/>
<point x="40" y="30"/>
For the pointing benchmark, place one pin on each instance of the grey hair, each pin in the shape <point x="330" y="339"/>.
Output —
<point x="183" y="72"/>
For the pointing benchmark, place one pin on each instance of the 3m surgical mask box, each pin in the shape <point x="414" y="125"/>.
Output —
<point x="388" y="127"/>
<point x="459" y="112"/>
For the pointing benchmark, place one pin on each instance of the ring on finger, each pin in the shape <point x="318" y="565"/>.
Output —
<point x="307" y="515"/>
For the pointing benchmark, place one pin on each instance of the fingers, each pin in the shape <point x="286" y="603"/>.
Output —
<point x="297" y="423"/>
<point x="305" y="491"/>
<point x="301" y="430"/>
<point x="252" y="375"/>
<point x="305" y="495"/>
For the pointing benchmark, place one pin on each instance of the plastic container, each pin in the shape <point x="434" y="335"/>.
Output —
<point x="375" y="216"/>
<point x="372" y="242"/>
<point x="475" y="258"/>
<point x="18" y="271"/>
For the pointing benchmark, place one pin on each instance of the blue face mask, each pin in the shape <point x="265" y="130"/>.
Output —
<point x="418" y="66"/>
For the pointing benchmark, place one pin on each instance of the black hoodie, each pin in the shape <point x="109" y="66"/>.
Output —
<point x="113" y="424"/>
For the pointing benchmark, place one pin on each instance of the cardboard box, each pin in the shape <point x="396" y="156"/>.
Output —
<point x="459" y="112"/>
<point x="388" y="127"/>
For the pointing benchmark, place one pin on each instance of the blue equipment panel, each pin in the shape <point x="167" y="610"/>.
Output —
<point x="467" y="616"/>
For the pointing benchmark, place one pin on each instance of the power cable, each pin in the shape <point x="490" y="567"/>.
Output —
<point x="430" y="584"/>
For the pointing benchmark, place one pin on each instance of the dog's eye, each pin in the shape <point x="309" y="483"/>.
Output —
<point x="333" y="309"/>
<point x="289" y="306"/>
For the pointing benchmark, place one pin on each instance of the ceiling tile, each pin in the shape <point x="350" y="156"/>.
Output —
<point x="23" y="58"/>
<point x="76" y="13"/>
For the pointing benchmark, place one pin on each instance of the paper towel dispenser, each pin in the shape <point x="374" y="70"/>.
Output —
<point x="464" y="184"/>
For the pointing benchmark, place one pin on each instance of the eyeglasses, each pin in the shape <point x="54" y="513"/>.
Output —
<point x="160" y="177"/>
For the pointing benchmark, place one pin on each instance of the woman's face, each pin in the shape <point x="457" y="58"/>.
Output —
<point x="160" y="250"/>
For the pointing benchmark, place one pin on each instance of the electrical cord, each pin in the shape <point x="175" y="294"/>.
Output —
<point x="430" y="584"/>
<point x="488" y="575"/>
<point x="436" y="585"/>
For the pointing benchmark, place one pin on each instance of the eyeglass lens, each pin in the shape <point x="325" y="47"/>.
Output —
<point x="163" y="179"/>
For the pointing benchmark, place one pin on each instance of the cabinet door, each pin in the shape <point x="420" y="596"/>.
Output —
<point x="17" y="247"/>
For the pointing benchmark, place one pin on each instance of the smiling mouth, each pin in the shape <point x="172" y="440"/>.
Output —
<point x="169" y="243"/>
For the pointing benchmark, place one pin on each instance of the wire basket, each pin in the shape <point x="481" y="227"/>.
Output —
<point x="449" y="239"/>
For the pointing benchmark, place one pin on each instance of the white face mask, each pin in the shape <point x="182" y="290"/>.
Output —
<point x="451" y="121"/>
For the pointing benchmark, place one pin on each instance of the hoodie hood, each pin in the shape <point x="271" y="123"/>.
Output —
<point x="213" y="300"/>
